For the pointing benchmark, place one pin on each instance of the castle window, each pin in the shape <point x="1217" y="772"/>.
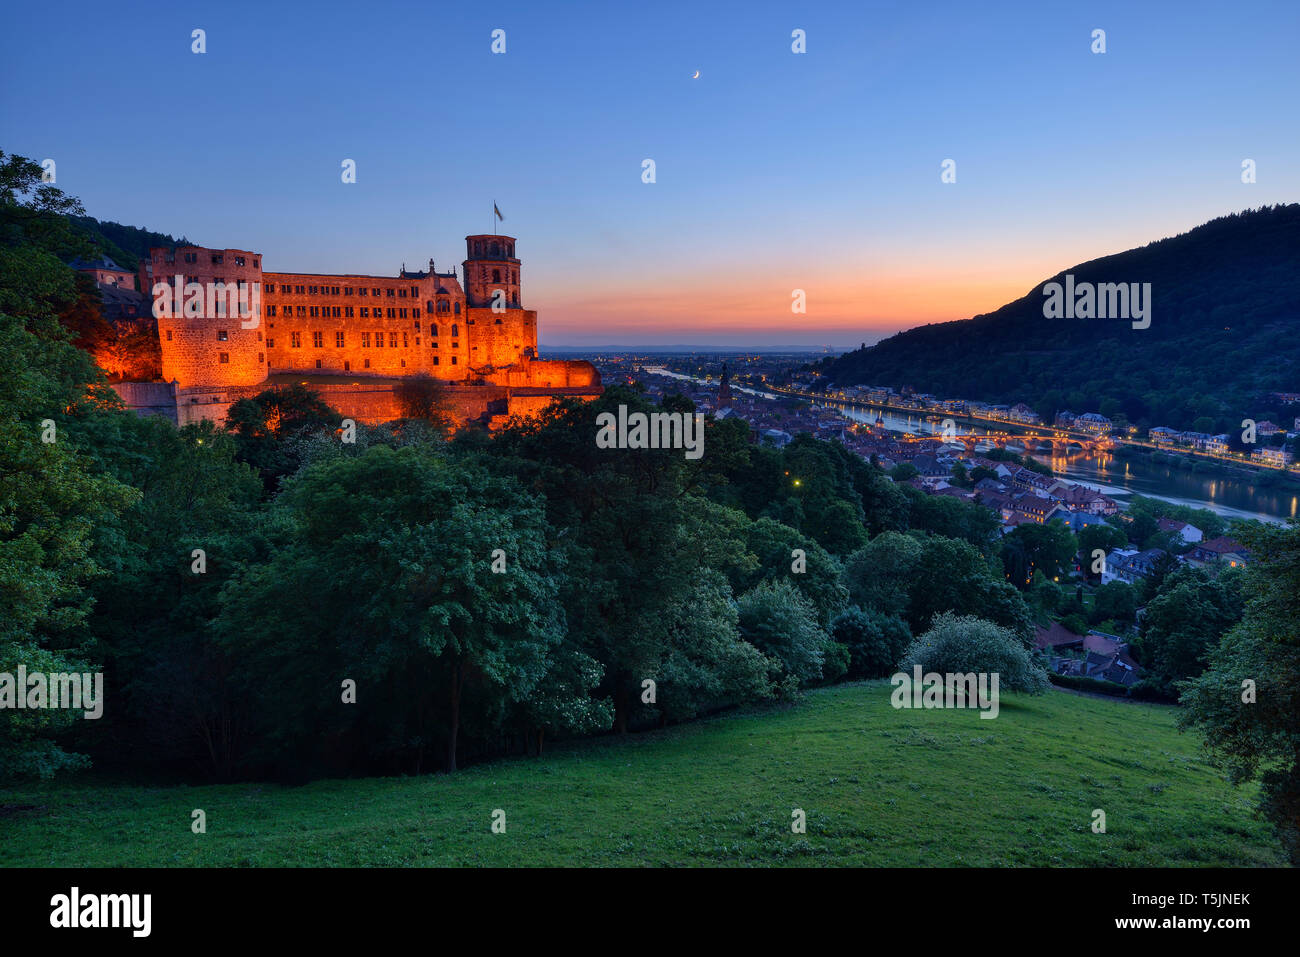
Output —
<point x="300" y="289"/>
<point x="406" y="343"/>
<point x="455" y="344"/>
<point x="496" y="275"/>
<point x="433" y="330"/>
<point x="392" y="313"/>
<point x="377" y="292"/>
<point x="363" y="291"/>
<point x="222" y="336"/>
<point x="391" y="292"/>
<point x="365" y="312"/>
<point x="453" y="360"/>
<point x="403" y="363"/>
<point x="415" y="292"/>
<point x="315" y="312"/>
<point x="270" y="343"/>
<point x="270" y="310"/>
<point x="338" y="340"/>
<point x="313" y="289"/>
<point x="317" y="339"/>
<point x="347" y="311"/>
<point x="239" y="260"/>
<point x="498" y="322"/>
<point x="223" y="356"/>
<point x="347" y="366"/>
<point x="365" y="340"/>
<point x="379" y="340"/>
<point x="261" y="357"/>
<point x="417" y="338"/>
<point x="335" y="311"/>
<point x="336" y="290"/>
<point x="317" y="363"/>
<point x="302" y="311"/>
<point x="257" y="264"/>
<point x="401" y="313"/>
<point x="367" y="363"/>
<point x="401" y="293"/>
<point x="191" y="257"/>
<point x="295" y="340"/>
<point x="218" y="259"/>
<point x="455" y="329"/>
<point x="169" y="335"/>
<point x="435" y="360"/>
<point x="259" y="337"/>
<point x="392" y="340"/>
<point x="270" y="287"/>
<point x="456" y="309"/>
<point x="496" y="249"/>
<point x="347" y="290"/>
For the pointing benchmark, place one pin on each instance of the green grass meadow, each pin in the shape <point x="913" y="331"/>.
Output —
<point x="880" y="787"/>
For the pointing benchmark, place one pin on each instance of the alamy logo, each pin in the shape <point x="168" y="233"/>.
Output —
<point x="933" y="690"/>
<point x="103" y="910"/>
<point x="655" y="430"/>
<point x="1107" y="300"/>
<point x="55" y="690"/>
<point x="214" y="300"/>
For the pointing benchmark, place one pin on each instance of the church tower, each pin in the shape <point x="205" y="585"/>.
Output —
<point x="491" y="271"/>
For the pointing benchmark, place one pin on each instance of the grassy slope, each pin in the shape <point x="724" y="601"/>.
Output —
<point x="880" y="787"/>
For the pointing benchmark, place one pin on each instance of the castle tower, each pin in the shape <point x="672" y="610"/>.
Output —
<point x="209" y="345"/>
<point x="491" y="266"/>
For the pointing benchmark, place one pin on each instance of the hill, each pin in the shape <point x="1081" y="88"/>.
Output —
<point x="1225" y="311"/>
<point x="125" y="245"/>
<point x="879" y="786"/>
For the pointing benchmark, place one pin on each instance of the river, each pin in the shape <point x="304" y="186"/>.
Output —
<point x="1230" y="496"/>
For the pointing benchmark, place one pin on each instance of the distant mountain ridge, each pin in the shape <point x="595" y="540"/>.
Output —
<point x="1224" y="333"/>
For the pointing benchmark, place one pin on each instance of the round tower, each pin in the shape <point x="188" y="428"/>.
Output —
<point x="210" y="326"/>
<point x="491" y="266"/>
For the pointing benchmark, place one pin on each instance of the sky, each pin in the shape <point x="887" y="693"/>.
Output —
<point x="775" y="171"/>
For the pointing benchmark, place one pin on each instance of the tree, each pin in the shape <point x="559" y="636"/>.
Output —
<point x="1114" y="601"/>
<point x="874" y="641"/>
<point x="1184" y="621"/>
<point x="957" y="644"/>
<point x="388" y="581"/>
<point x="777" y="620"/>
<point x="1048" y="548"/>
<point x="1243" y="705"/>
<point x="421" y="396"/>
<point x="1096" y="537"/>
<point x="53" y="498"/>
<point x="266" y="426"/>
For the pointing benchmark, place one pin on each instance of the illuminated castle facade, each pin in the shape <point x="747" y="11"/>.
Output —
<point x="356" y="333"/>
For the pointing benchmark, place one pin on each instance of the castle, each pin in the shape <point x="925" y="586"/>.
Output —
<point x="351" y="337"/>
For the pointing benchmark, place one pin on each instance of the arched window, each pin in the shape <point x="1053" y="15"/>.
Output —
<point x="455" y="329"/>
<point x="457" y="309"/>
<point x="496" y="249"/>
<point x="496" y="275"/>
<point x="433" y="330"/>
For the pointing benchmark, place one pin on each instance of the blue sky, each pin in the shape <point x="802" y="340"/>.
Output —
<point x="775" y="170"/>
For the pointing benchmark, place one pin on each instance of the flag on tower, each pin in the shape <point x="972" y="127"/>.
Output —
<point x="497" y="211"/>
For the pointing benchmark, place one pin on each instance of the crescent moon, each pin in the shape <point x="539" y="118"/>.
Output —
<point x="695" y="75"/>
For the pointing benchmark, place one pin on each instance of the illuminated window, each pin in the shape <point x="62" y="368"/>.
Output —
<point x="222" y="336"/>
<point x="223" y="356"/>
